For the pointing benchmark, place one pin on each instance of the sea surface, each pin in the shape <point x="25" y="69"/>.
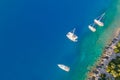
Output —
<point x="33" y="37"/>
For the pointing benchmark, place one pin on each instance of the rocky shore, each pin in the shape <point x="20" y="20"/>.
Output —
<point x="101" y="65"/>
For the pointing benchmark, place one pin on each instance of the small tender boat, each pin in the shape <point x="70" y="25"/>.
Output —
<point x="63" y="67"/>
<point x="72" y="36"/>
<point x="98" y="20"/>
<point x="92" y="28"/>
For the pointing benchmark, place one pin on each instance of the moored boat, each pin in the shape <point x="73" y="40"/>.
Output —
<point x="71" y="35"/>
<point x="98" y="20"/>
<point x="92" y="28"/>
<point x="64" y="67"/>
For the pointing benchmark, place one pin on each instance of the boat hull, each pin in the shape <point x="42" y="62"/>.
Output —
<point x="92" y="28"/>
<point x="72" y="36"/>
<point x="99" y="23"/>
<point x="63" y="67"/>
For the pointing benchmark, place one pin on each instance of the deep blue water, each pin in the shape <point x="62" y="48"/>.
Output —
<point x="32" y="36"/>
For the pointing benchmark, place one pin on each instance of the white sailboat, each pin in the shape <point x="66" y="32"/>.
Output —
<point x="71" y="35"/>
<point x="98" y="20"/>
<point x="92" y="28"/>
<point x="63" y="67"/>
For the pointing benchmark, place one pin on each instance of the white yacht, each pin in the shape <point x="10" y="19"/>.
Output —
<point x="92" y="28"/>
<point x="72" y="36"/>
<point x="63" y="67"/>
<point x="98" y="20"/>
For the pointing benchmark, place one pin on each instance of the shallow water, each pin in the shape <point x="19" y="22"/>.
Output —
<point x="33" y="37"/>
<point x="93" y="44"/>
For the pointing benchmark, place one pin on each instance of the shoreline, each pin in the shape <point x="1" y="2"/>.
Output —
<point x="108" y="54"/>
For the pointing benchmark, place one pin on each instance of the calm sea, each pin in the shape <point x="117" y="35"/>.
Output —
<point x="33" y="38"/>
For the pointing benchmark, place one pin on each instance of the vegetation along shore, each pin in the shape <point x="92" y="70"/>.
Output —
<point x="108" y="66"/>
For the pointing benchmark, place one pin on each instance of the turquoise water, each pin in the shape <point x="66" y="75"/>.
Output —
<point x="33" y="41"/>
<point x="93" y="44"/>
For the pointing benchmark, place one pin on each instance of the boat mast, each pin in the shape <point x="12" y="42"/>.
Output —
<point x="102" y="16"/>
<point x="74" y="30"/>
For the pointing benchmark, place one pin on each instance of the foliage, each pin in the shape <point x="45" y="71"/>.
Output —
<point x="102" y="77"/>
<point x="114" y="68"/>
<point x="117" y="48"/>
